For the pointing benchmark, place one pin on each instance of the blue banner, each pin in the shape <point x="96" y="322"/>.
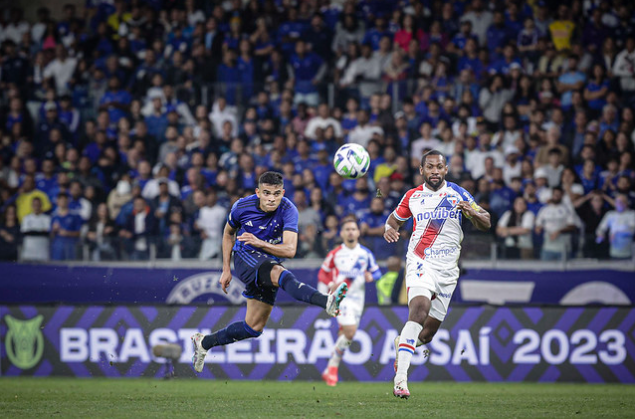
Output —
<point x="22" y="283"/>
<point x="486" y="344"/>
<point x="575" y="287"/>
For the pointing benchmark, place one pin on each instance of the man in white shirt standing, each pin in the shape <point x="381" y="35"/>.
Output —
<point x="624" y="66"/>
<point x="36" y="228"/>
<point x="364" y="132"/>
<point x="211" y="220"/>
<point x="222" y="112"/>
<point x="620" y="225"/>
<point x="426" y="141"/>
<point x="61" y="69"/>
<point x="323" y="120"/>
<point x="555" y="220"/>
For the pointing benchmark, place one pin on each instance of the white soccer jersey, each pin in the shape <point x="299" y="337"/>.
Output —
<point x="437" y="234"/>
<point x="350" y="265"/>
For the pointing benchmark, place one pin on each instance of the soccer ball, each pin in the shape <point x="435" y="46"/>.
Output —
<point x="351" y="161"/>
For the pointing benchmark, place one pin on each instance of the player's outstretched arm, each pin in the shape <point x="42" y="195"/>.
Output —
<point x="391" y="229"/>
<point x="229" y="237"/>
<point x="286" y="249"/>
<point x="478" y="216"/>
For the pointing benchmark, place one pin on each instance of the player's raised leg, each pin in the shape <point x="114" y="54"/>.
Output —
<point x="286" y="280"/>
<point x="255" y="320"/>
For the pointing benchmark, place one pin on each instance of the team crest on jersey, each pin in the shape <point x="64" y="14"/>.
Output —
<point x="453" y="200"/>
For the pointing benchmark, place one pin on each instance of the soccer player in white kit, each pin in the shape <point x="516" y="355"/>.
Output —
<point x="432" y="268"/>
<point x="354" y="264"/>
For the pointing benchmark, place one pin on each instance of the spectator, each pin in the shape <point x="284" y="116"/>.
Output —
<point x="562" y="29"/>
<point x="60" y="70"/>
<point x="480" y="19"/>
<point x="492" y="99"/>
<point x="515" y="227"/>
<point x="349" y="30"/>
<point x="139" y="230"/>
<point x="372" y="230"/>
<point x="9" y="235"/>
<point x="591" y="208"/>
<point x="620" y="225"/>
<point x="25" y="196"/>
<point x="555" y="221"/>
<point x="625" y="69"/>
<point x="101" y="234"/>
<point x="77" y="203"/>
<point x="210" y="222"/>
<point x="65" y="230"/>
<point x="308" y="70"/>
<point x="571" y="80"/>
<point x="364" y="132"/>
<point x="164" y="204"/>
<point x="322" y="121"/>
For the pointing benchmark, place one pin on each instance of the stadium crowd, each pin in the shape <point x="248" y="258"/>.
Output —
<point x="131" y="127"/>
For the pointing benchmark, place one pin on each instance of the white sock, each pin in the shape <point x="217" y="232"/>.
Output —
<point x="340" y="347"/>
<point x="407" y="341"/>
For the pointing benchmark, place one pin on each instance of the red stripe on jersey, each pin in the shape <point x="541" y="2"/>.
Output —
<point x="428" y="237"/>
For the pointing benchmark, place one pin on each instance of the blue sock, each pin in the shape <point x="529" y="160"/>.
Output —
<point x="301" y="291"/>
<point x="230" y="334"/>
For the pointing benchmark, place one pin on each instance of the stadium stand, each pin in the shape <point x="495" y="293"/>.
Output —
<point x="151" y="118"/>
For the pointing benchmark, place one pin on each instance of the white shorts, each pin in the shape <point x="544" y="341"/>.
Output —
<point x="350" y="312"/>
<point x="440" y="283"/>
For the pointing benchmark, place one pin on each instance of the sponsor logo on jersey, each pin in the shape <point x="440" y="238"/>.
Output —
<point x="440" y="253"/>
<point x="436" y="214"/>
<point x="249" y="223"/>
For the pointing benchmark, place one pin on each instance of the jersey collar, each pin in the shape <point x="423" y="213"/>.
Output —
<point x="425" y="187"/>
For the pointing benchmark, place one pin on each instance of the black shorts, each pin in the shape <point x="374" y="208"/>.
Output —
<point x="246" y="265"/>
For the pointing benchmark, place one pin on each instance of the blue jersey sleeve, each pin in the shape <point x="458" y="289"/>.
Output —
<point x="465" y="195"/>
<point x="233" y="218"/>
<point x="290" y="217"/>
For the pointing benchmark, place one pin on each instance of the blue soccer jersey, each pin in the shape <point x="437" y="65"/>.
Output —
<point x="246" y="216"/>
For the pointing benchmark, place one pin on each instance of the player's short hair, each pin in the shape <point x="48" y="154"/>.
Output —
<point x="432" y="153"/>
<point x="270" y="178"/>
<point x="349" y="219"/>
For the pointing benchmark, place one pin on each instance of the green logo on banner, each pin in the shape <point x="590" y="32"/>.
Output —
<point x="24" y="342"/>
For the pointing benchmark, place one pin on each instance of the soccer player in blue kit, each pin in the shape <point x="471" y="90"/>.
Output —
<point x="261" y="229"/>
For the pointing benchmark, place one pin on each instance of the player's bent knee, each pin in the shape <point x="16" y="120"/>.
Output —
<point x="266" y="272"/>
<point x="276" y="271"/>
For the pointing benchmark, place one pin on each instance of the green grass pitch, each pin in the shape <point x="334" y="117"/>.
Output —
<point x="67" y="397"/>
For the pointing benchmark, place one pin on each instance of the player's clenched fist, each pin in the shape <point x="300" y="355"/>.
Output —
<point x="466" y="208"/>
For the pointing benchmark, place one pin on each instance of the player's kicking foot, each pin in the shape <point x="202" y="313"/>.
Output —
<point x="330" y="376"/>
<point x="401" y="388"/>
<point x="198" y="359"/>
<point x="425" y="353"/>
<point x="334" y="300"/>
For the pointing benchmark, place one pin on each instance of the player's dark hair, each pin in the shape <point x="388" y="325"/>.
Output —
<point x="349" y="219"/>
<point x="270" y="178"/>
<point x="432" y="153"/>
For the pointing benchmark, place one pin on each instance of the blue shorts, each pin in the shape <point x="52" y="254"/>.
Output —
<point x="246" y="265"/>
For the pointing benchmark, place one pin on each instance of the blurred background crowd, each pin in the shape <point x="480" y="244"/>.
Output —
<point x="129" y="128"/>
